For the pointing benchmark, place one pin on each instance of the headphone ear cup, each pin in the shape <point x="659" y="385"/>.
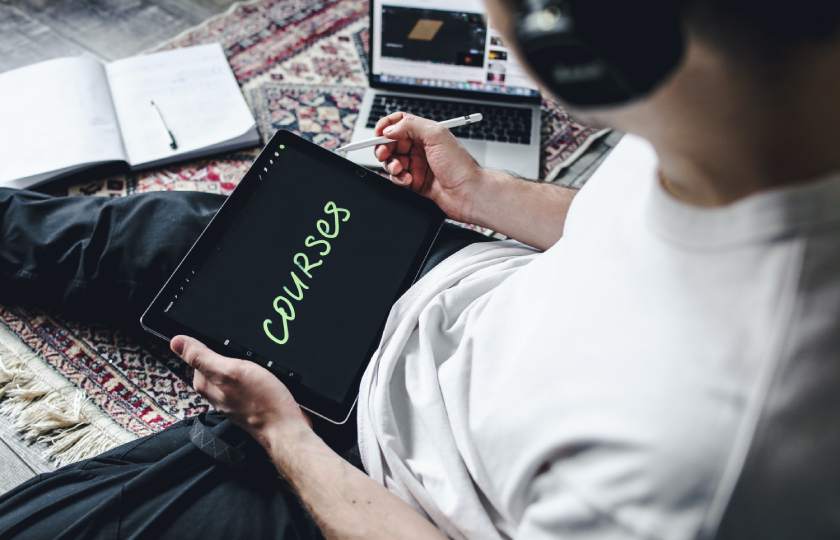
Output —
<point x="601" y="52"/>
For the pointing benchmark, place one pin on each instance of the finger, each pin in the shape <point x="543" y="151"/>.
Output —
<point x="207" y="389"/>
<point x="389" y="148"/>
<point x="197" y="355"/>
<point x="393" y="166"/>
<point x="386" y="121"/>
<point x="403" y="179"/>
<point x="418" y="130"/>
<point x="403" y="147"/>
<point x="396" y="164"/>
<point x="383" y="151"/>
<point x="419" y="168"/>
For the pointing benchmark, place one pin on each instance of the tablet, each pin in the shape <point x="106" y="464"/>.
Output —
<point x="299" y="269"/>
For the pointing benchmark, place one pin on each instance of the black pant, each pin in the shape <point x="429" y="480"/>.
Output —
<point x="160" y="487"/>
<point x="108" y="258"/>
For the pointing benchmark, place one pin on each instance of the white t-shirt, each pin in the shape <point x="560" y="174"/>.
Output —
<point x="607" y="388"/>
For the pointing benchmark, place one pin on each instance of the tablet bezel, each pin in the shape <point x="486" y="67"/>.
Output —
<point x="157" y="322"/>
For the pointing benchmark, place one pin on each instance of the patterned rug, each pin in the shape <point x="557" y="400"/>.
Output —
<point x="84" y="387"/>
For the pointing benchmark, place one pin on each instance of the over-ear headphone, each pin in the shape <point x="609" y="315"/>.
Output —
<point x="600" y="52"/>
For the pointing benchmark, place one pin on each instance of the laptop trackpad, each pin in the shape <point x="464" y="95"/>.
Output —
<point x="476" y="148"/>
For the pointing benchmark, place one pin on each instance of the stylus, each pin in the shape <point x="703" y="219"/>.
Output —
<point x="448" y="124"/>
<point x="172" y="144"/>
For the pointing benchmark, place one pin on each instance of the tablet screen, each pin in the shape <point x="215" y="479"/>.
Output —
<point x="306" y="272"/>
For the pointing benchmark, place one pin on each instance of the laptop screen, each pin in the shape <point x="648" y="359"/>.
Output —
<point x="446" y="44"/>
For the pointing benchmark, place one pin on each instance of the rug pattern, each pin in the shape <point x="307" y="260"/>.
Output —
<point x="141" y="390"/>
<point x="303" y="67"/>
<point x="324" y="115"/>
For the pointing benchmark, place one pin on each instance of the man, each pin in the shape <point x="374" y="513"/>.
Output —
<point x="608" y="387"/>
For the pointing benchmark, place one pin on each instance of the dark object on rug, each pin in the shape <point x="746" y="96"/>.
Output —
<point x="97" y="256"/>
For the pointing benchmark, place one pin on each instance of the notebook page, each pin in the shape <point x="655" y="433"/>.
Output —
<point x="196" y="93"/>
<point x="55" y="115"/>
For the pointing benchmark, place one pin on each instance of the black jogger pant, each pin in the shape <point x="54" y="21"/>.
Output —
<point x="109" y="257"/>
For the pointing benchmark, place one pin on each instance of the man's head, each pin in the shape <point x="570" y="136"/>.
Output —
<point x="758" y="34"/>
<point x="752" y="73"/>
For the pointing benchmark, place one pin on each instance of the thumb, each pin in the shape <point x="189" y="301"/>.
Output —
<point x="418" y="129"/>
<point x="196" y="354"/>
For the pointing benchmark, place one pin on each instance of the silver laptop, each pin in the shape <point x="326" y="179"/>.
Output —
<point x="440" y="59"/>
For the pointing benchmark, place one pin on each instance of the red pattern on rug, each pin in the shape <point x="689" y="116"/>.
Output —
<point x="142" y="391"/>
<point x="256" y="37"/>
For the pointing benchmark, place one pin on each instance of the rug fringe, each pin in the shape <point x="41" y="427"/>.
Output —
<point x="45" y="407"/>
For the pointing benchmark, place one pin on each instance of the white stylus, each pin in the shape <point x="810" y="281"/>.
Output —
<point x="448" y="124"/>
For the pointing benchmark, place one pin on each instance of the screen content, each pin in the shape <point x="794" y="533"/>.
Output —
<point x="306" y="274"/>
<point x="445" y="44"/>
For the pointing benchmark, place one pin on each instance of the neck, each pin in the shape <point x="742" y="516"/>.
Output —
<point x="737" y="134"/>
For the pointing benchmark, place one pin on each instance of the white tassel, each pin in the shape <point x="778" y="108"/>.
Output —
<point x="45" y="407"/>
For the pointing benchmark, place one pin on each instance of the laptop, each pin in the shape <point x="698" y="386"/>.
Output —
<point x="441" y="59"/>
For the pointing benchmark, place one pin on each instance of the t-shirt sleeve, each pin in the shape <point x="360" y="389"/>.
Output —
<point x="557" y="512"/>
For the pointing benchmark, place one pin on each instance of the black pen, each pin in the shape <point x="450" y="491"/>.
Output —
<point x="172" y="144"/>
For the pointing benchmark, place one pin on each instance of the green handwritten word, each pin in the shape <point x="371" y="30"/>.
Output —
<point x="282" y="305"/>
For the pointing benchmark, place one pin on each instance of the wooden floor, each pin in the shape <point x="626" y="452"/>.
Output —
<point x="36" y="30"/>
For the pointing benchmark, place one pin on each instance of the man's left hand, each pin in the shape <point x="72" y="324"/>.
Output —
<point x="329" y="486"/>
<point x="246" y="393"/>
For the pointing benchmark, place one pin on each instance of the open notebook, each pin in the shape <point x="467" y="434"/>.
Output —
<point x="61" y="116"/>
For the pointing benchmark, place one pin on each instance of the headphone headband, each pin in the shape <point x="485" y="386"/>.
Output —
<point x="600" y="52"/>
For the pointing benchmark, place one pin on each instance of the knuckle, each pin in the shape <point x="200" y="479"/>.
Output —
<point x="193" y="357"/>
<point x="231" y="370"/>
<point x="439" y="130"/>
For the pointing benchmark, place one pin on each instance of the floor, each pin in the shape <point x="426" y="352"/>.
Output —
<point x="36" y="30"/>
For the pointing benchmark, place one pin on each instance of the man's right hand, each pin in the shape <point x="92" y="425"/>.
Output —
<point x="430" y="161"/>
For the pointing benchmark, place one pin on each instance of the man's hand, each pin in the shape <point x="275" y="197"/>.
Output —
<point x="430" y="161"/>
<point x="345" y="502"/>
<point x="246" y="393"/>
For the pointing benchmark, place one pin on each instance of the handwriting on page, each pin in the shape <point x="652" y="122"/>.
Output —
<point x="283" y="304"/>
<point x="197" y="96"/>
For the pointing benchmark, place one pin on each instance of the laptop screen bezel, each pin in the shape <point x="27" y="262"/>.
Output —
<point x="433" y="90"/>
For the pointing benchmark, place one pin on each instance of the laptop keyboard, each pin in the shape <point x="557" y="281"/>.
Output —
<point x="501" y="124"/>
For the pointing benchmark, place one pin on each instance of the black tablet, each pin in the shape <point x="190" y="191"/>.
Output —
<point x="299" y="269"/>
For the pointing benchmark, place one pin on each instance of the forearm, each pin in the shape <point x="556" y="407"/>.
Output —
<point x="345" y="502"/>
<point x="532" y="212"/>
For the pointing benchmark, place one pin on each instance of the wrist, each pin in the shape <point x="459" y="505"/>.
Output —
<point x="485" y="189"/>
<point x="286" y="440"/>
